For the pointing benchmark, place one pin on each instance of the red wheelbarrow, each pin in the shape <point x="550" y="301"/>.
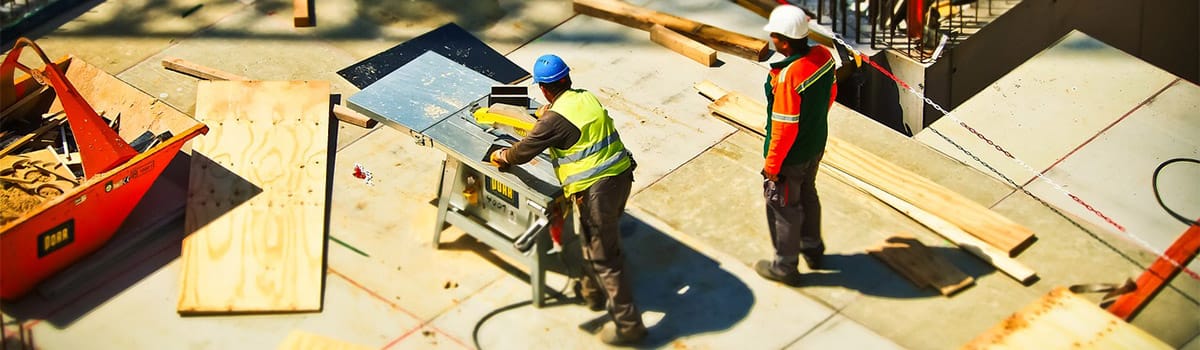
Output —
<point x="72" y="223"/>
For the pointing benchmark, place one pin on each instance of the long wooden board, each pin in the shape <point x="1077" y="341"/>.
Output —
<point x="256" y="198"/>
<point x="921" y="265"/>
<point x="972" y="217"/>
<point x="642" y="18"/>
<point x="986" y="252"/>
<point x="1063" y="320"/>
<point x="685" y="46"/>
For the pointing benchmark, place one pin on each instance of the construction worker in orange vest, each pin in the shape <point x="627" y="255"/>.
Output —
<point x="596" y="172"/>
<point x="800" y="90"/>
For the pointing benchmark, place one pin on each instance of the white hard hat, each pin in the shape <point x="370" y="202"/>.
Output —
<point x="789" y="21"/>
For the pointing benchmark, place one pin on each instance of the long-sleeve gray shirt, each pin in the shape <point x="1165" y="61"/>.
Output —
<point x="551" y="130"/>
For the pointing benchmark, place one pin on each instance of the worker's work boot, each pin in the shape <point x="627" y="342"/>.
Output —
<point x="767" y="269"/>
<point x="611" y="336"/>
<point x="813" y="261"/>
<point x="590" y="292"/>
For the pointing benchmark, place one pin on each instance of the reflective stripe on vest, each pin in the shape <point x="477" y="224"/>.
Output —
<point x="599" y="152"/>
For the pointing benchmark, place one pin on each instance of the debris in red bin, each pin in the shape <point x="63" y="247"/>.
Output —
<point x="362" y="173"/>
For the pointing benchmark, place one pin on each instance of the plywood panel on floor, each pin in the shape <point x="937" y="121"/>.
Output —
<point x="256" y="198"/>
<point x="1048" y="106"/>
<point x="1063" y="320"/>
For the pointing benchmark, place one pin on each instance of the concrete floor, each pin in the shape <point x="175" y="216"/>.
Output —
<point x="387" y="287"/>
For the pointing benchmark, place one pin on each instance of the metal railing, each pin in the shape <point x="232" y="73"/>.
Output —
<point x="885" y="24"/>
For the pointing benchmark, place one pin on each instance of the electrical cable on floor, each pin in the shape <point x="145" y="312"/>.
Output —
<point x="560" y="296"/>
<point x="1157" y="197"/>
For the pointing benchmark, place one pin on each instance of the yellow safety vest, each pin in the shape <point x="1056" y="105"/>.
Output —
<point x="599" y="152"/>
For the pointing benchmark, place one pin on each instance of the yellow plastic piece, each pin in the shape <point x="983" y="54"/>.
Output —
<point x="519" y="125"/>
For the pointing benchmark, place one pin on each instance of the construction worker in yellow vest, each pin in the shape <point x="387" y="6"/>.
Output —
<point x="596" y="172"/>
<point x="800" y="90"/>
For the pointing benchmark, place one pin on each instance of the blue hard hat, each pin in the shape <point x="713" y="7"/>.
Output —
<point x="549" y="69"/>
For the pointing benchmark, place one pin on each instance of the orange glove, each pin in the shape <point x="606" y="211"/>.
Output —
<point x="498" y="158"/>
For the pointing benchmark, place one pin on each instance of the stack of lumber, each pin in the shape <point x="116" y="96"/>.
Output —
<point x="706" y="35"/>
<point x="977" y="229"/>
<point x="1063" y="320"/>
<point x="257" y="195"/>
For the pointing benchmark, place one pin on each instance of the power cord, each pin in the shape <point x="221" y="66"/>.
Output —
<point x="560" y="296"/>
<point x="1154" y="184"/>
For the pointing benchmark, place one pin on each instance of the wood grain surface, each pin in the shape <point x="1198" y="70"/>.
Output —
<point x="256" y="198"/>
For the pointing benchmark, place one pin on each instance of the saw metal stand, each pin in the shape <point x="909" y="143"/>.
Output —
<point x="432" y="99"/>
<point x="536" y="258"/>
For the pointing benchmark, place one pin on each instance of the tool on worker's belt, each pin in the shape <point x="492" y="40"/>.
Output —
<point x="441" y="104"/>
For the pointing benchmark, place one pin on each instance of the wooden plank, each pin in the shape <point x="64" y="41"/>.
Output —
<point x="1063" y="320"/>
<point x="710" y="90"/>
<point x="340" y="112"/>
<point x="256" y="198"/>
<point x="348" y="115"/>
<point x="683" y="45"/>
<point x="989" y="254"/>
<point x="921" y="265"/>
<point x="301" y="13"/>
<point x="1159" y="274"/>
<point x="972" y="217"/>
<point x="300" y="340"/>
<point x="641" y="18"/>
<point x="761" y="7"/>
<point x="197" y="70"/>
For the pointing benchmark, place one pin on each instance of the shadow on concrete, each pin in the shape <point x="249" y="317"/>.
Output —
<point x="149" y="239"/>
<point x="691" y="290"/>
<point x="871" y="276"/>
<point x="873" y="94"/>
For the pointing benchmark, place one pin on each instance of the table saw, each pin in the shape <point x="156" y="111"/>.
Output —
<point x="433" y="99"/>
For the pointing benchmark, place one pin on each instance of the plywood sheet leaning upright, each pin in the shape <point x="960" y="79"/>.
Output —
<point x="256" y="198"/>
<point x="1063" y="320"/>
<point x="921" y="265"/>
<point x="974" y="218"/>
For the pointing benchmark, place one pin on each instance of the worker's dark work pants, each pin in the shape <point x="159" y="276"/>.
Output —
<point x="796" y="227"/>
<point x="600" y="210"/>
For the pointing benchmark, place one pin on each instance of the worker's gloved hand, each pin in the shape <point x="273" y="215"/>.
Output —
<point x="498" y="159"/>
<point x="775" y="190"/>
<point x="541" y="111"/>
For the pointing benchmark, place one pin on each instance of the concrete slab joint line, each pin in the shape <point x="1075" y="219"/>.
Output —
<point x="1038" y="174"/>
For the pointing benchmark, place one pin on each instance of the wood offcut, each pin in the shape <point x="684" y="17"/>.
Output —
<point x="302" y="13"/>
<point x="685" y="46"/>
<point x="641" y="18"/>
<point x="921" y="265"/>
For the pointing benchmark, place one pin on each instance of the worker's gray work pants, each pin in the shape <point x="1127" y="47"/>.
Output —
<point x="796" y="226"/>
<point x="599" y="210"/>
